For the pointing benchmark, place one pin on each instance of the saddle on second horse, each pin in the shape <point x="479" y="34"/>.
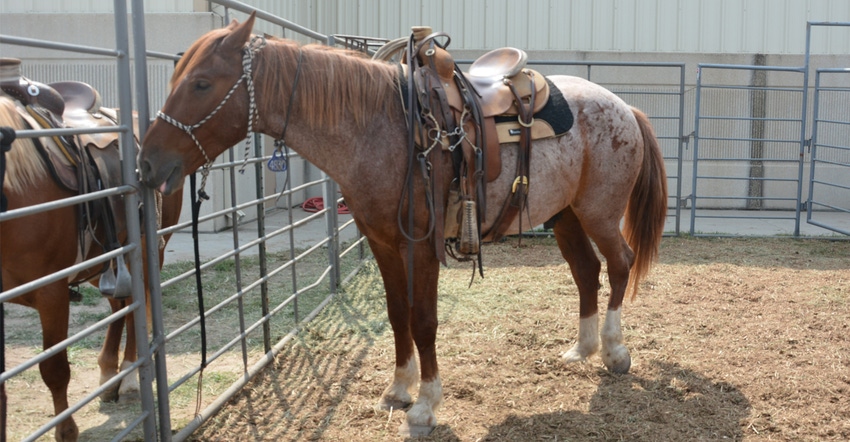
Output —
<point x="82" y="163"/>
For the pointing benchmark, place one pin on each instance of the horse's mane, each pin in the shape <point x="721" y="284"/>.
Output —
<point x="24" y="167"/>
<point x="334" y="83"/>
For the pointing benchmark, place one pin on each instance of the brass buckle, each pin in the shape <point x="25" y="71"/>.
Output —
<point x="520" y="180"/>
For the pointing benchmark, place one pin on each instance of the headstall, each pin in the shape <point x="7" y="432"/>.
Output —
<point x="251" y="48"/>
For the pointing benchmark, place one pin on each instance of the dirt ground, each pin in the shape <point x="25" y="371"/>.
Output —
<point x="732" y="339"/>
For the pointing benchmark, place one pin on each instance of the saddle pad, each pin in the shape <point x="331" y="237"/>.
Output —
<point x="556" y="112"/>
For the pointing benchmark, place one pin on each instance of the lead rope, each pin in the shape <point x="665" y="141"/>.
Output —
<point x="196" y="209"/>
<point x="257" y="42"/>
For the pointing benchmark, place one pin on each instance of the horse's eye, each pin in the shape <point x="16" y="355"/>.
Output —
<point x="202" y="85"/>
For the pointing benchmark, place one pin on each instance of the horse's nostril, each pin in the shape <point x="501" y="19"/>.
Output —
<point x="144" y="169"/>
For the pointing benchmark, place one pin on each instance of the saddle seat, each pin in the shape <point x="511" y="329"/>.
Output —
<point x="492" y="73"/>
<point x="78" y="95"/>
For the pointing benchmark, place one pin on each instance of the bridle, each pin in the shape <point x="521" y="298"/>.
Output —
<point x="248" y="52"/>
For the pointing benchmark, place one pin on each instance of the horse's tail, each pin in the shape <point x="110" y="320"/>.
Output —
<point x="647" y="208"/>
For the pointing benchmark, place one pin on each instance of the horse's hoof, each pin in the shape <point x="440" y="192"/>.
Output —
<point x="619" y="365"/>
<point x="389" y="403"/>
<point x="67" y="431"/>
<point x="407" y="430"/>
<point x="129" y="397"/>
<point x="579" y="353"/>
<point x="572" y="356"/>
<point x="110" y="395"/>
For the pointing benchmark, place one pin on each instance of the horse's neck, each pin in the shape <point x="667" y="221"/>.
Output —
<point x="343" y="110"/>
<point x="350" y="154"/>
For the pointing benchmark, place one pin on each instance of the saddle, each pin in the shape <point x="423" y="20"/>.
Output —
<point x="470" y="115"/>
<point x="82" y="163"/>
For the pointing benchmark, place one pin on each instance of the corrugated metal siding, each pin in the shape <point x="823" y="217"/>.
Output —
<point x="701" y="26"/>
<point x="89" y="6"/>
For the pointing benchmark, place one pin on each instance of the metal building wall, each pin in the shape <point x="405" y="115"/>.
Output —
<point x="691" y="26"/>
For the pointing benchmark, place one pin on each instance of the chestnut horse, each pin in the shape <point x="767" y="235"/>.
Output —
<point x="36" y="245"/>
<point x="345" y="116"/>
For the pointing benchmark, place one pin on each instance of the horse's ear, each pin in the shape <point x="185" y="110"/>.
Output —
<point x="240" y="33"/>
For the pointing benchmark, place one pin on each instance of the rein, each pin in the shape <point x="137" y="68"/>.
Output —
<point x="248" y="52"/>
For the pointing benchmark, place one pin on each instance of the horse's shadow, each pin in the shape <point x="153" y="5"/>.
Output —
<point x="670" y="403"/>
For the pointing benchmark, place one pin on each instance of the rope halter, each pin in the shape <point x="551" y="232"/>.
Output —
<point x="248" y="52"/>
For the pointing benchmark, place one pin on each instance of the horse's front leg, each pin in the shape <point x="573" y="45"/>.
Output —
<point x="107" y="360"/>
<point x="397" y="395"/>
<point x="129" y="389"/>
<point x="412" y="323"/>
<point x="422" y="418"/>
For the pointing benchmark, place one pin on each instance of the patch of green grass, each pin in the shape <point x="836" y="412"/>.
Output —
<point x="243" y="297"/>
<point x="214" y="382"/>
<point x="91" y="296"/>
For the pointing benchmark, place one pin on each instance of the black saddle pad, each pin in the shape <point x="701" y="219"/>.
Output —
<point x="556" y="112"/>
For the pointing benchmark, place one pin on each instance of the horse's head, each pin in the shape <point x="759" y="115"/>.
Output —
<point x="206" y="111"/>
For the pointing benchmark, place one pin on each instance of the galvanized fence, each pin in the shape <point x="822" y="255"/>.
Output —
<point x="122" y="71"/>
<point x="278" y="283"/>
<point x="290" y="282"/>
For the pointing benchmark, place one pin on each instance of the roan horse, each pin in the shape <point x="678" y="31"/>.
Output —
<point x="343" y="113"/>
<point x="37" y="245"/>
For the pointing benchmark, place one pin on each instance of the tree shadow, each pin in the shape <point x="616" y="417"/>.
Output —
<point x="670" y="403"/>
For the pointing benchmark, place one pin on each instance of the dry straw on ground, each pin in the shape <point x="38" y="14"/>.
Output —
<point x="731" y="339"/>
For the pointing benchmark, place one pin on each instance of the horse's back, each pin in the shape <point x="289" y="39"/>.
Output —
<point x="591" y="168"/>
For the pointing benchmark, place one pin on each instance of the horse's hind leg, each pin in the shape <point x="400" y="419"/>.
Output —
<point x="619" y="258"/>
<point x="584" y="266"/>
<point x="128" y="388"/>
<point x="55" y="371"/>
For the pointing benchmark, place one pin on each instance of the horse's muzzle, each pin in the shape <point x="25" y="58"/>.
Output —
<point x="167" y="178"/>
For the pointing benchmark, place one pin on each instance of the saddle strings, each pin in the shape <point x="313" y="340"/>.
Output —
<point x="251" y="48"/>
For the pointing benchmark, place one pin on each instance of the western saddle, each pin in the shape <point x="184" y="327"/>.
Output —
<point x="81" y="163"/>
<point x="469" y="115"/>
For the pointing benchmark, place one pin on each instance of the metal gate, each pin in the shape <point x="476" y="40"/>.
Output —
<point x="830" y="150"/>
<point x="748" y="146"/>
<point x="751" y="152"/>
<point x="829" y="175"/>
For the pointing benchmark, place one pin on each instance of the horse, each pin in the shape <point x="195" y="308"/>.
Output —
<point x="25" y="258"/>
<point x="342" y="112"/>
